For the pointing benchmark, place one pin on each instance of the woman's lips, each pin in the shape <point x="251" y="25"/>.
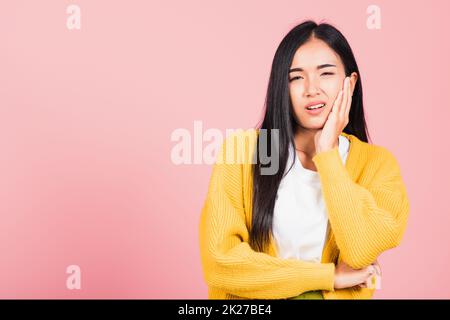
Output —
<point x="315" y="111"/>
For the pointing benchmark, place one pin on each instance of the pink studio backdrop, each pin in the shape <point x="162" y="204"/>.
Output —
<point x="86" y="118"/>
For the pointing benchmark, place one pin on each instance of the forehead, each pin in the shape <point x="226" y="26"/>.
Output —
<point x="313" y="53"/>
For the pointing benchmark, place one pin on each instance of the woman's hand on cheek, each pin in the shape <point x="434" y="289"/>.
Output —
<point x="326" y="138"/>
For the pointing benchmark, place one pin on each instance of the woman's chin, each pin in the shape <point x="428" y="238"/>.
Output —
<point x="314" y="125"/>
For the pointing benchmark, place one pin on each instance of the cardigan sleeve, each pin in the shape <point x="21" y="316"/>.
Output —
<point x="230" y="264"/>
<point x="365" y="220"/>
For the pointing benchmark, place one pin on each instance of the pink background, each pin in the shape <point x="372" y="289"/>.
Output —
<point x="86" y="117"/>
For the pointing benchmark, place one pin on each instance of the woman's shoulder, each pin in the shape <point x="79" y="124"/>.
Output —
<point x="373" y="154"/>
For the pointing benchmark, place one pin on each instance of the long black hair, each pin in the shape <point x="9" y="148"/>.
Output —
<point x="279" y="115"/>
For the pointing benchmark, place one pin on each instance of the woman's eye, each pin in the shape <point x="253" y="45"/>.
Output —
<point x="325" y="73"/>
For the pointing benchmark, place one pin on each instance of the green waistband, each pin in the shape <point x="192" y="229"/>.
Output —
<point x="310" y="295"/>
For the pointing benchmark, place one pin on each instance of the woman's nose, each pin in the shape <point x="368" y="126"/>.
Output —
<point x="312" y="88"/>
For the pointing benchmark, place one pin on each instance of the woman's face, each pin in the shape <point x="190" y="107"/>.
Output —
<point x="316" y="75"/>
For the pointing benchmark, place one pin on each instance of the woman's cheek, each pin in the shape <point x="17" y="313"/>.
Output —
<point x="296" y="93"/>
<point x="332" y="89"/>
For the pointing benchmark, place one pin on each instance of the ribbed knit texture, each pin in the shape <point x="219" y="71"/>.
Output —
<point x="367" y="207"/>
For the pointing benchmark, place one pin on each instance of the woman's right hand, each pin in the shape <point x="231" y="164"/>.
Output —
<point x="346" y="277"/>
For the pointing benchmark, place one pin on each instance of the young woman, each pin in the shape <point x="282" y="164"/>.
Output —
<point x="315" y="227"/>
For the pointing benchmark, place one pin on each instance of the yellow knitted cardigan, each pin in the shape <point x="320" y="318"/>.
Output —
<point x="367" y="208"/>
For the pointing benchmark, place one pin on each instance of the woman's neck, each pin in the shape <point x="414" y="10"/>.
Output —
<point x="304" y="141"/>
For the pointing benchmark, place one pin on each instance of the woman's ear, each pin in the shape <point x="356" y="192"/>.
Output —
<point x="353" y="80"/>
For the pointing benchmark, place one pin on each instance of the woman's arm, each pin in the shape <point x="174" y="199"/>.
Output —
<point x="365" y="221"/>
<point x="230" y="264"/>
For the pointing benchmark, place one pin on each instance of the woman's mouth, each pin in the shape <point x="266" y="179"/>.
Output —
<point x="315" y="109"/>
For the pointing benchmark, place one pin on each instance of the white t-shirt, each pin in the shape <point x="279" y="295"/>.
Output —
<point x="300" y="221"/>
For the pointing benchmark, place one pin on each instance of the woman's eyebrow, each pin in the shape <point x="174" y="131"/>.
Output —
<point x="326" y="65"/>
